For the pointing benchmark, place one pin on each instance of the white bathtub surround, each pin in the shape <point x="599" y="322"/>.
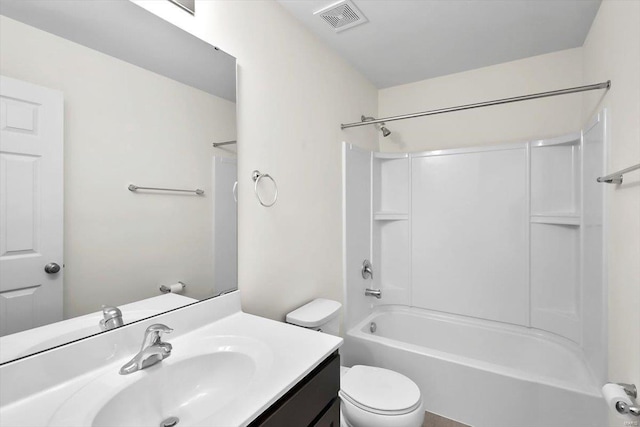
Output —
<point x="47" y="389"/>
<point x="510" y="235"/>
<point x="481" y="373"/>
<point x="495" y="233"/>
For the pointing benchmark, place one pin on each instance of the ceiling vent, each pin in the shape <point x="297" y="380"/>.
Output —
<point x="341" y="15"/>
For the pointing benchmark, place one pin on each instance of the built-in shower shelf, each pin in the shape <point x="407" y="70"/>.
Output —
<point x="390" y="156"/>
<point x="390" y="216"/>
<point x="560" y="218"/>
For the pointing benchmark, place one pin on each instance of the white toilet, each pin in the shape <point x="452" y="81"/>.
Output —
<point x="369" y="396"/>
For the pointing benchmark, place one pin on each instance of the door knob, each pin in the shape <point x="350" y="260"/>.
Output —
<point x="51" y="268"/>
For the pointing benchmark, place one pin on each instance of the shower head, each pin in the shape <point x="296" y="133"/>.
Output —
<point x="380" y="126"/>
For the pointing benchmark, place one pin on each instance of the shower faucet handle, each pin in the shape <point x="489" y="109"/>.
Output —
<point x="367" y="270"/>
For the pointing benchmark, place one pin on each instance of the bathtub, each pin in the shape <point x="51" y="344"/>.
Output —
<point x="481" y="373"/>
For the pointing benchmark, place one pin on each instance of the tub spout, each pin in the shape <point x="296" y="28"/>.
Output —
<point x="373" y="293"/>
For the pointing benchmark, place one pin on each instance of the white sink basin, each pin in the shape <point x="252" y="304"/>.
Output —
<point x="192" y="384"/>
<point x="179" y="390"/>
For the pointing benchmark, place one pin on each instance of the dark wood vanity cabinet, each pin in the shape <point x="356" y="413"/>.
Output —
<point x="312" y="402"/>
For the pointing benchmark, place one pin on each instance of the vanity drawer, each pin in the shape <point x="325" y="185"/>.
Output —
<point x="331" y="416"/>
<point x="310" y="402"/>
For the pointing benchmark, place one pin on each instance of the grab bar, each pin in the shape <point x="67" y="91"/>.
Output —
<point x="616" y="177"/>
<point x="133" y="187"/>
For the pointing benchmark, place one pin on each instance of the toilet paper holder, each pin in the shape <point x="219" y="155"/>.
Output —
<point x="630" y="389"/>
<point x="622" y="407"/>
<point x="166" y="289"/>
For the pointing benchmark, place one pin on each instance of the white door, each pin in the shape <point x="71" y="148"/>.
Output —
<point x="31" y="205"/>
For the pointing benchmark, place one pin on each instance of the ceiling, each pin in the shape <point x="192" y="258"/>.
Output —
<point x="410" y="40"/>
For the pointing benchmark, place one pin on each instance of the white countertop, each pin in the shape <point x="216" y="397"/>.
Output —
<point x="285" y="355"/>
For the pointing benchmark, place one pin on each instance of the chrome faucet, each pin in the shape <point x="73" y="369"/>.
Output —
<point x="112" y="318"/>
<point x="153" y="350"/>
<point x="373" y="293"/>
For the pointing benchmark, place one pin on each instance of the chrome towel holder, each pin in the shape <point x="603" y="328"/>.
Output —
<point x="256" y="176"/>
<point x="616" y="177"/>
<point x="133" y="187"/>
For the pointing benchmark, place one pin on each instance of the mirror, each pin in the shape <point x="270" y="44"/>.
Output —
<point x="101" y="100"/>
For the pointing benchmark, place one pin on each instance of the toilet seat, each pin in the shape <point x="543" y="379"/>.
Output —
<point x="347" y="400"/>
<point x="379" y="391"/>
<point x="351" y="416"/>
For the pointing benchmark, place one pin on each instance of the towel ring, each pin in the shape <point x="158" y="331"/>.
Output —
<point x="257" y="176"/>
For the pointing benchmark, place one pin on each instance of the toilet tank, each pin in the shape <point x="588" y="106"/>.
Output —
<point x="320" y="314"/>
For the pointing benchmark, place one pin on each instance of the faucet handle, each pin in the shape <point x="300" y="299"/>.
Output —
<point x="159" y="328"/>
<point x="367" y="270"/>
<point x="110" y="312"/>
<point x="153" y="334"/>
<point x="111" y="318"/>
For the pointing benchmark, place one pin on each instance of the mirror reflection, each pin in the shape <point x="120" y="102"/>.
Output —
<point x="107" y="132"/>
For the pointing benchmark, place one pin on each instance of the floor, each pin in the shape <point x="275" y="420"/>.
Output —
<point x="433" y="420"/>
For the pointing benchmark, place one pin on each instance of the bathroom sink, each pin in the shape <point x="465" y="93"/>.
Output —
<point x="179" y="390"/>
<point x="188" y="386"/>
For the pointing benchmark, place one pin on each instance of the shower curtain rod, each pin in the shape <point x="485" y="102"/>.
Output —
<point x="603" y="85"/>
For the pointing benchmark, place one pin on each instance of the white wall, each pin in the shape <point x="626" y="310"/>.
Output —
<point x="293" y="94"/>
<point x="503" y="123"/>
<point x="125" y="125"/>
<point x="612" y="51"/>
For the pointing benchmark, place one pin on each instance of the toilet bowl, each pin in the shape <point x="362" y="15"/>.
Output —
<point x="369" y="396"/>
<point x="377" y="397"/>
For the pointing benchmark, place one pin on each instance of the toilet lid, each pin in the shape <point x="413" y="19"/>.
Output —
<point x="314" y="314"/>
<point x="379" y="390"/>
